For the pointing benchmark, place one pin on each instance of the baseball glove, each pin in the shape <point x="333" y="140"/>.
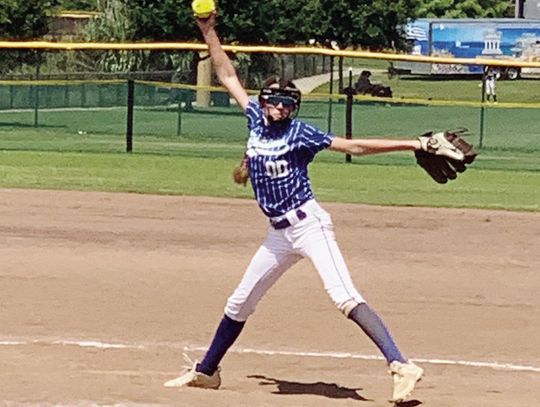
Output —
<point x="241" y="172"/>
<point x="445" y="154"/>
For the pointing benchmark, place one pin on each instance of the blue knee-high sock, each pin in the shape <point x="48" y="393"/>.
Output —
<point x="226" y="333"/>
<point x="373" y="326"/>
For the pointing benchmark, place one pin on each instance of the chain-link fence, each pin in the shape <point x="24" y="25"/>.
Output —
<point x="88" y="111"/>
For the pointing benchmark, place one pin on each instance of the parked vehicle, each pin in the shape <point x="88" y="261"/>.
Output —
<point x="512" y="39"/>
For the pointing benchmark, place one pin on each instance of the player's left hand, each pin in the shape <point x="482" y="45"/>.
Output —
<point x="444" y="154"/>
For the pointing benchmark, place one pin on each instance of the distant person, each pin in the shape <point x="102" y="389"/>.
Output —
<point x="364" y="86"/>
<point x="491" y="82"/>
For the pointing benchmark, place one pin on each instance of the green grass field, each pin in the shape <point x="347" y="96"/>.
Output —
<point x="336" y="182"/>
<point x="85" y="149"/>
<point x="511" y="138"/>
<point x="526" y="90"/>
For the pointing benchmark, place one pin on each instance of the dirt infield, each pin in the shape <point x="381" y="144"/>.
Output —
<point x="102" y="293"/>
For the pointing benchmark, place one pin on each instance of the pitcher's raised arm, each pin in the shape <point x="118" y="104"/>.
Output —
<point x="221" y="62"/>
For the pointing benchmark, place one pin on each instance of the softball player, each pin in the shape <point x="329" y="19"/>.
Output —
<point x="279" y="150"/>
<point x="491" y="80"/>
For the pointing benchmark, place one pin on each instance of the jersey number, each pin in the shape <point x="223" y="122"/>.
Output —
<point x="277" y="169"/>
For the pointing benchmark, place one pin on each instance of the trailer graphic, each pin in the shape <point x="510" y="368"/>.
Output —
<point x="501" y="39"/>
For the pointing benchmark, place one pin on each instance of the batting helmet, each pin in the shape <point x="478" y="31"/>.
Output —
<point x="278" y="90"/>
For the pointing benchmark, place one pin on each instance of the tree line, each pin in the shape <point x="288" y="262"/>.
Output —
<point x="363" y="23"/>
<point x="366" y="24"/>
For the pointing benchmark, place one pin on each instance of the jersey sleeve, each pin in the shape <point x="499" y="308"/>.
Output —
<point x="253" y="113"/>
<point x="315" y="140"/>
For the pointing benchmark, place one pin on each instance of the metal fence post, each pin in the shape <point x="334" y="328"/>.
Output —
<point x="83" y="95"/>
<point x="11" y="96"/>
<point x="331" y="90"/>
<point x="482" y="108"/>
<point x="348" y="113"/>
<point x="36" y="98"/>
<point x="130" y="103"/>
<point x="66" y="95"/>
<point x="179" y="124"/>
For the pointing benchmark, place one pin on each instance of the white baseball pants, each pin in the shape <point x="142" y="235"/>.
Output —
<point x="312" y="237"/>
<point x="490" y="87"/>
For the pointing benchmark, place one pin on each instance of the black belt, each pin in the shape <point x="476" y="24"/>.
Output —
<point x="284" y="223"/>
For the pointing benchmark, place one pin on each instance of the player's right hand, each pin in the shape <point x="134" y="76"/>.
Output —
<point x="207" y="24"/>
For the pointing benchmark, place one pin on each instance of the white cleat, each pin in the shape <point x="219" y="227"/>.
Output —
<point x="405" y="376"/>
<point x="192" y="378"/>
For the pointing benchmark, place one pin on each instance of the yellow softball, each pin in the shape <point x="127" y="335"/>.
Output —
<point x="203" y="8"/>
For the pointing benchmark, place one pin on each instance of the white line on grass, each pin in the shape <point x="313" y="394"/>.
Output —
<point x="87" y="109"/>
<point x="65" y="109"/>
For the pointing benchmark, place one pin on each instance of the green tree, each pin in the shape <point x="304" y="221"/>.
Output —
<point x="24" y="20"/>
<point x="465" y="9"/>
<point x="88" y="5"/>
<point x="370" y="24"/>
<point x="246" y="22"/>
<point x="367" y="24"/>
<point x="270" y="22"/>
<point x="139" y="20"/>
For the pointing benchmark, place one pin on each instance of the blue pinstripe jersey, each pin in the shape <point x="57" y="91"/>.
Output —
<point x="279" y="154"/>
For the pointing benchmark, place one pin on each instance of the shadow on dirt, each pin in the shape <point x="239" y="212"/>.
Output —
<point x="409" y="403"/>
<point x="330" y="390"/>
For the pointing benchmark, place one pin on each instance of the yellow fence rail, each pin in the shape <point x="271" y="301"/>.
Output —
<point x="168" y="46"/>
